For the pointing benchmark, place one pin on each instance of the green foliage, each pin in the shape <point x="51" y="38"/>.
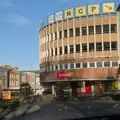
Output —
<point x="10" y="67"/>
<point x="26" y="89"/>
<point x="118" y="71"/>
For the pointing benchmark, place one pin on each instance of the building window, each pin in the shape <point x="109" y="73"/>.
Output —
<point x="77" y="31"/>
<point x="84" y="31"/>
<point x="84" y="65"/>
<point x="98" y="46"/>
<point x="92" y="65"/>
<point x="48" y="37"/>
<point x="60" y="50"/>
<point x="71" y="65"/>
<point x="78" y="65"/>
<point x="71" y="48"/>
<point x="99" y="64"/>
<point x="114" y="64"/>
<point x="55" y="51"/>
<point x="114" y="45"/>
<point x="91" y="30"/>
<point x="48" y="68"/>
<point x="91" y="47"/>
<point x="78" y="48"/>
<point x="65" y="33"/>
<point x="51" y="37"/>
<point x="113" y="28"/>
<point x="51" y="52"/>
<point x="56" y="67"/>
<point x="106" y="46"/>
<point x="51" y="68"/>
<point x="70" y="32"/>
<point x="84" y="47"/>
<point x="60" y="34"/>
<point x="105" y="28"/>
<point x="106" y="64"/>
<point x="61" y="67"/>
<point x="66" y="66"/>
<point x="98" y="29"/>
<point x="55" y="35"/>
<point x="65" y="50"/>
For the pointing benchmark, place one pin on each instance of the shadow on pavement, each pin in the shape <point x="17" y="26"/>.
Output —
<point x="22" y="110"/>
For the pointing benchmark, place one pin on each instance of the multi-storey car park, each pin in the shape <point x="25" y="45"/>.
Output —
<point x="80" y="47"/>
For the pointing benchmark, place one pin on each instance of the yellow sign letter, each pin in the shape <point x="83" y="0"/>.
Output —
<point x="80" y="11"/>
<point x="108" y="7"/>
<point x="68" y="13"/>
<point x="93" y="9"/>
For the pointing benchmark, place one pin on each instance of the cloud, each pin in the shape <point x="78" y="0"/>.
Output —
<point x="16" y="19"/>
<point x="6" y="3"/>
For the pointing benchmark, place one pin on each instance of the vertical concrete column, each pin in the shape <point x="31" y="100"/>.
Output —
<point x="53" y="90"/>
<point x="92" y="89"/>
<point x="83" y="86"/>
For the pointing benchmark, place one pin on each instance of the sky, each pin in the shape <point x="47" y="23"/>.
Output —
<point x="20" y="24"/>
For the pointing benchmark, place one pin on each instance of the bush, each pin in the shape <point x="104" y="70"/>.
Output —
<point x="3" y="104"/>
<point x="13" y="104"/>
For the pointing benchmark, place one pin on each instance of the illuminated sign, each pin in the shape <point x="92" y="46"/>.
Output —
<point x="68" y="13"/>
<point x="51" y="19"/>
<point x="93" y="9"/>
<point x="59" y="16"/>
<point x="64" y="74"/>
<point x="108" y="7"/>
<point x="80" y="11"/>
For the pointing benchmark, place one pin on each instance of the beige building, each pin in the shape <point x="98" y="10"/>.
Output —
<point x="14" y="79"/>
<point x="81" y="47"/>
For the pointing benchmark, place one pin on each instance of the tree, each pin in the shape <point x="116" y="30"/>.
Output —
<point x="7" y="66"/>
<point x="10" y="67"/>
<point x="26" y="89"/>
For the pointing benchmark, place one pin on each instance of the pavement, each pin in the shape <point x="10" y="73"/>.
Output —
<point x="60" y="110"/>
<point x="24" y="109"/>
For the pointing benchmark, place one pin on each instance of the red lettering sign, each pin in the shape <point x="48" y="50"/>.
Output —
<point x="64" y="74"/>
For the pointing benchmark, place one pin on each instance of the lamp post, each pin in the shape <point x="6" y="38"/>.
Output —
<point x="8" y="78"/>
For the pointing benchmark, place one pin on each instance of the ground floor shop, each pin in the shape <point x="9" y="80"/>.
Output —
<point x="88" y="88"/>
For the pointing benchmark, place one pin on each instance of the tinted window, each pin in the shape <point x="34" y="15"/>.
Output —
<point x="105" y="28"/>
<point x="84" y="31"/>
<point x="70" y="32"/>
<point x="91" y="30"/>
<point x="78" y="48"/>
<point x="98" y="29"/>
<point x="77" y="31"/>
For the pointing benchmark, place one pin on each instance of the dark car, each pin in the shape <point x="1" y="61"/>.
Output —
<point x="47" y="92"/>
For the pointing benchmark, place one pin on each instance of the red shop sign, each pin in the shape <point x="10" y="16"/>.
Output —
<point x="64" y="74"/>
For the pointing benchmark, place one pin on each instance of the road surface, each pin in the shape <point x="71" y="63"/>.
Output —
<point x="60" y="110"/>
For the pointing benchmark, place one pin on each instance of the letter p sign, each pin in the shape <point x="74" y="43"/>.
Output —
<point x="93" y="9"/>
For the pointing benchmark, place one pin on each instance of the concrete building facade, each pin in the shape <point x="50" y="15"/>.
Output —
<point x="32" y="77"/>
<point x="81" y="44"/>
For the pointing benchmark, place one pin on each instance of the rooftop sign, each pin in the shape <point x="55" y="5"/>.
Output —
<point x="81" y="11"/>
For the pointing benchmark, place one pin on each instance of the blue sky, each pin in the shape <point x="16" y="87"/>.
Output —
<point x="19" y="28"/>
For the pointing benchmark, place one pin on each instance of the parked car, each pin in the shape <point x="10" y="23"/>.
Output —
<point x="47" y="91"/>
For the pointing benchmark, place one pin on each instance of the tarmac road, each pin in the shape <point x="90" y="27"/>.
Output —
<point x="60" y="110"/>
